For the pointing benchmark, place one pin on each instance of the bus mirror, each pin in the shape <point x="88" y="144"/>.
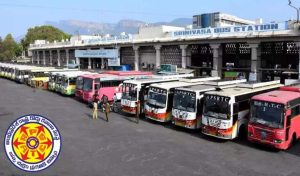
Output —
<point x="121" y="85"/>
<point x="135" y="88"/>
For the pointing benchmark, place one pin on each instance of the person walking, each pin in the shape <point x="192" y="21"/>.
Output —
<point x="106" y="106"/>
<point x="95" y="105"/>
<point x="137" y="114"/>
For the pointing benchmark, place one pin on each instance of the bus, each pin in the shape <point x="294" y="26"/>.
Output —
<point x="39" y="78"/>
<point x="226" y="112"/>
<point x="22" y="74"/>
<point x="188" y="102"/>
<point x="133" y="90"/>
<point x="68" y="85"/>
<point x="160" y="98"/>
<point x="55" y="79"/>
<point x="275" y="118"/>
<point x="105" y="83"/>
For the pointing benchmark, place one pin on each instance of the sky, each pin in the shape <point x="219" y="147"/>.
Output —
<point x="16" y="16"/>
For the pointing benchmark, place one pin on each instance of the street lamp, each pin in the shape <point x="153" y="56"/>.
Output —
<point x="290" y="4"/>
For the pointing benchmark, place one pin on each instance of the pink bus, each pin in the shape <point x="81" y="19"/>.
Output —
<point x="106" y="83"/>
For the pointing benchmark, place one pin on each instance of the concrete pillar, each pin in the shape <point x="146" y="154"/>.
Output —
<point x="217" y="60"/>
<point x="44" y="57"/>
<point x="58" y="58"/>
<point x="51" y="57"/>
<point x="78" y="62"/>
<point x="136" y="57"/>
<point x="253" y="76"/>
<point x="33" y="57"/>
<point x="119" y="53"/>
<point x="38" y="57"/>
<point x="67" y="57"/>
<point x="89" y="61"/>
<point x="183" y="55"/>
<point x="298" y="45"/>
<point x="157" y="59"/>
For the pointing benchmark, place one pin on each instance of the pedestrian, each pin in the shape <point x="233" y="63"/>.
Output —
<point x="95" y="105"/>
<point x="137" y="112"/>
<point x="106" y="106"/>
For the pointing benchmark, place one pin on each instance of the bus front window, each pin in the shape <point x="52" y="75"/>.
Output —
<point x="267" y="113"/>
<point x="88" y="84"/>
<point x="79" y="83"/>
<point x="217" y="107"/>
<point x="129" y="92"/>
<point x="157" y="97"/>
<point x="72" y="81"/>
<point x="185" y="101"/>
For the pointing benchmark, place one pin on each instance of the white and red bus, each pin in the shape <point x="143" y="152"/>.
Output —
<point x="137" y="90"/>
<point x="226" y="112"/>
<point x="188" y="102"/>
<point x="275" y="118"/>
<point x="105" y="83"/>
<point x="160" y="98"/>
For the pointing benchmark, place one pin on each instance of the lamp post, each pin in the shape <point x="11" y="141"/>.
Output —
<point x="297" y="9"/>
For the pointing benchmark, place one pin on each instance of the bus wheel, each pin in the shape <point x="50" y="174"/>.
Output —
<point x="293" y="140"/>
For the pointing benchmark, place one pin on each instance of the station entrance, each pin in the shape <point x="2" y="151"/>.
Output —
<point x="201" y="59"/>
<point x="279" y="60"/>
<point x="236" y="62"/>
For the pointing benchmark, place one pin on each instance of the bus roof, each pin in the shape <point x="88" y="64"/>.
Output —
<point x="294" y="88"/>
<point x="74" y="74"/>
<point x="246" y="88"/>
<point x="223" y="82"/>
<point x="197" y="88"/>
<point x="175" y="84"/>
<point x="151" y="80"/>
<point x="277" y="96"/>
<point x="127" y="73"/>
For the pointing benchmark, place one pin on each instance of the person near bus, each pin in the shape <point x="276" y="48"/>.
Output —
<point x="137" y="114"/>
<point x="95" y="105"/>
<point x="106" y="106"/>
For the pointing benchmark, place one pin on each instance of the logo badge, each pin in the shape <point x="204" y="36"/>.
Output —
<point x="263" y="135"/>
<point x="32" y="143"/>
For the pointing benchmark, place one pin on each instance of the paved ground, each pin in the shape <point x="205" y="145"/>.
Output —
<point x="122" y="147"/>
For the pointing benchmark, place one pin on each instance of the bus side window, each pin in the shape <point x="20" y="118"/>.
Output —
<point x="199" y="106"/>
<point x="244" y="105"/>
<point x="170" y="101"/>
<point x="235" y="108"/>
<point x="295" y="112"/>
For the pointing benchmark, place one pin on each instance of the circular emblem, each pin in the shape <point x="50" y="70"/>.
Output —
<point x="32" y="143"/>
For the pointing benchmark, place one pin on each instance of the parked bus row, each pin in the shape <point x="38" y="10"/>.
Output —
<point x="265" y="112"/>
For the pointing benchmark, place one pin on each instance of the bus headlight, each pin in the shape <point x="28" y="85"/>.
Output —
<point x="250" y="134"/>
<point x="277" y="141"/>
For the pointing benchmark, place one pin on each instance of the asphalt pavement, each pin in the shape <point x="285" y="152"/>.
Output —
<point x="122" y="147"/>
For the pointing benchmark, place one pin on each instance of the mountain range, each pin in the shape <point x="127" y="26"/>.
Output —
<point x="77" y="27"/>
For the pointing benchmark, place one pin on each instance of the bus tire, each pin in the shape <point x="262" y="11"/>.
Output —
<point x="293" y="140"/>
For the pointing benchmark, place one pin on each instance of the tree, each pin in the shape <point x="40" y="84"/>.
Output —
<point x="48" y="33"/>
<point x="9" y="48"/>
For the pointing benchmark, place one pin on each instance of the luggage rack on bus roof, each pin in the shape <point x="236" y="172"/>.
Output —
<point x="225" y="82"/>
<point x="254" y="84"/>
<point x="194" y="80"/>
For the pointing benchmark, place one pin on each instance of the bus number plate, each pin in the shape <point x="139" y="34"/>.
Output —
<point x="214" y="122"/>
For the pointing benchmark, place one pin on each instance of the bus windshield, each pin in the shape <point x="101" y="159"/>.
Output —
<point x="129" y="92"/>
<point x="72" y="81"/>
<point x="157" y="97"/>
<point x="87" y="84"/>
<point x="79" y="83"/>
<point x="184" y="100"/>
<point x="65" y="82"/>
<point x="267" y="113"/>
<point x="216" y="106"/>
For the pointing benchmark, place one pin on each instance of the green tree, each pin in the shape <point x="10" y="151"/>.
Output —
<point x="9" y="48"/>
<point x="48" y="33"/>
